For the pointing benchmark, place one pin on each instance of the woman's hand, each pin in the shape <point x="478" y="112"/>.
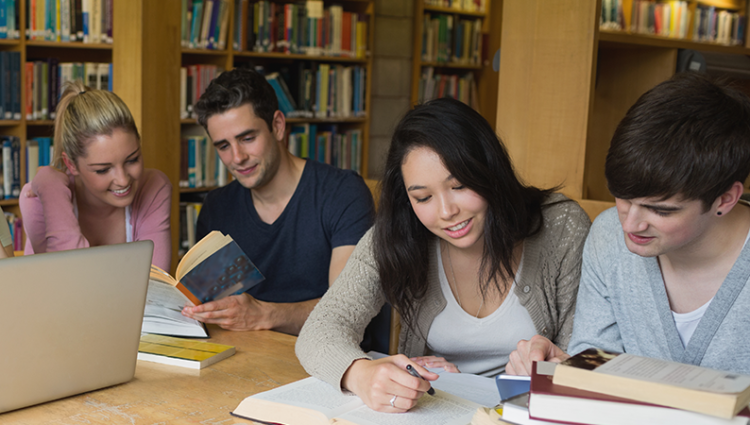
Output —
<point x="433" y="361"/>
<point x="385" y="385"/>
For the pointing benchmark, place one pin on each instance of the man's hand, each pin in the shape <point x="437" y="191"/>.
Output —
<point x="538" y="348"/>
<point x="245" y="313"/>
<point x="236" y="313"/>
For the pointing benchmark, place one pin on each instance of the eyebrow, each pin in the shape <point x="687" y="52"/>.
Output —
<point x="661" y="207"/>
<point x="109" y="163"/>
<point x="417" y="187"/>
<point x="237" y="136"/>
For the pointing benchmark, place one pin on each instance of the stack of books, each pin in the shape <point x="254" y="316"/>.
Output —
<point x="597" y="387"/>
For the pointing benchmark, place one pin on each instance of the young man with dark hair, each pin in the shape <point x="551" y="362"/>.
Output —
<point x="297" y="220"/>
<point x="669" y="279"/>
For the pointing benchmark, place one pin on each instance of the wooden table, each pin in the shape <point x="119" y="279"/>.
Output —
<point x="161" y="394"/>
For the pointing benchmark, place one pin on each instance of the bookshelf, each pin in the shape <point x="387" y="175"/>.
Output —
<point x="144" y="54"/>
<point x="288" y="63"/>
<point x="24" y="127"/>
<point x="453" y="52"/>
<point x="565" y="85"/>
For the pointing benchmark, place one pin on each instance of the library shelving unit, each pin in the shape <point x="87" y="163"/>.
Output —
<point x="442" y="49"/>
<point x="565" y="84"/>
<point x="145" y="61"/>
<point x="29" y="50"/>
<point x="234" y="56"/>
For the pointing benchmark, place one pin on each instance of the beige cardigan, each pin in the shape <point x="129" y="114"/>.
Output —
<point x="329" y="341"/>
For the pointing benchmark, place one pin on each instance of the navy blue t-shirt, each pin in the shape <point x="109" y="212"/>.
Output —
<point x="329" y="208"/>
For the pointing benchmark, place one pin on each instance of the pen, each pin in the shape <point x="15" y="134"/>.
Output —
<point x="416" y="374"/>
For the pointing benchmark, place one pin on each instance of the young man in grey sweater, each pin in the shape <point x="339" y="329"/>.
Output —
<point x="665" y="273"/>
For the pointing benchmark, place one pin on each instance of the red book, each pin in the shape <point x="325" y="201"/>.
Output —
<point x="346" y="34"/>
<point x="556" y="403"/>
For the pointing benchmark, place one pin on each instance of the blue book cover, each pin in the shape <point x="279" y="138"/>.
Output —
<point x="228" y="271"/>
<point x="195" y="29"/>
<point x="214" y="25"/>
<point x="15" y="85"/>
<point x="191" y="162"/>
<point x="45" y="145"/>
<point x="284" y="104"/>
<point x="4" y="18"/>
<point x="5" y="64"/>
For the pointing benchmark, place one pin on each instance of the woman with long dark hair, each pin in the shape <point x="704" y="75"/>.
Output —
<point x="472" y="259"/>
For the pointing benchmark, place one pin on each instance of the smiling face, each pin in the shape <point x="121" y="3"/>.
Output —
<point x="445" y="207"/>
<point x="111" y="168"/>
<point x="656" y="227"/>
<point x="245" y="144"/>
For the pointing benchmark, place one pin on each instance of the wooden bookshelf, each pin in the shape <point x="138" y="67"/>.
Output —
<point x="563" y="96"/>
<point x="484" y="76"/>
<point x="231" y="57"/>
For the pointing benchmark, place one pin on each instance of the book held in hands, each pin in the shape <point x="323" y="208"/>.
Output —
<point x="214" y="268"/>
<point x="656" y="381"/>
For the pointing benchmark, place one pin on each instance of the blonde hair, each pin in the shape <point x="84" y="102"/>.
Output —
<point x="84" y="113"/>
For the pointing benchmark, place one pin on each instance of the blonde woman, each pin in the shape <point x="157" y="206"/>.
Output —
<point x="97" y="191"/>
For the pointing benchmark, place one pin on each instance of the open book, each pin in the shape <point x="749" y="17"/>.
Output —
<point x="213" y="268"/>
<point x="314" y="402"/>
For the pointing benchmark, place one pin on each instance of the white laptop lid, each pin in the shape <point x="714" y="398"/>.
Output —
<point x="71" y="321"/>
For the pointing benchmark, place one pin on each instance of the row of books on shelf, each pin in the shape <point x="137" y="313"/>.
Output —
<point x="11" y="167"/>
<point x="199" y="164"/>
<point x="45" y="81"/>
<point x="328" y="144"/>
<point x="305" y="27"/>
<point x="87" y="21"/>
<point x="325" y="91"/>
<point x="39" y="153"/>
<point x="462" y="87"/>
<point x="462" y="5"/>
<point x="188" y="221"/>
<point x="205" y="24"/>
<point x="15" y="224"/>
<point x="302" y="28"/>
<point x="676" y="19"/>
<point x="322" y="90"/>
<point x="194" y="80"/>
<point x="10" y="85"/>
<point x="597" y="387"/>
<point x="9" y="19"/>
<point x="446" y="41"/>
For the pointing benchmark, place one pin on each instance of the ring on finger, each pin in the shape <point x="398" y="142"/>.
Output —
<point x="393" y="401"/>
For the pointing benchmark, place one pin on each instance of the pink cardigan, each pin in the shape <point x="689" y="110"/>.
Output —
<point x="51" y="224"/>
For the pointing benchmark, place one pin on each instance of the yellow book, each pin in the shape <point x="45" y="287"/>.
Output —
<point x="189" y="353"/>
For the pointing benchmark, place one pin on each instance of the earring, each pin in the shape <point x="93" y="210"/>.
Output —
<point x="718" y="212"/>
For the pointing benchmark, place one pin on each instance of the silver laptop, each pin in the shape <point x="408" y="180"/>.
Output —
<point x="71" y="321"/>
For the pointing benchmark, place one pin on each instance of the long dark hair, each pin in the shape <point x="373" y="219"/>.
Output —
<point x="476" y="157"/>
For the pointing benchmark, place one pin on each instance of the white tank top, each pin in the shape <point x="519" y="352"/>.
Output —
<point x="478" y="345"/>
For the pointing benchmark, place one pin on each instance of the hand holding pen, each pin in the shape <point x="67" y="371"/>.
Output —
<point x="416" y="374"/>
<point x="387" y="384"/>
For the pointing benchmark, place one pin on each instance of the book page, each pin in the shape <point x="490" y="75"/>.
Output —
<point x="479" y="389"/>
<point x="311" y="393"/>
<point x="163" y="312"/>
<point x="678" y="374"/>
<point x="440" y="409"/>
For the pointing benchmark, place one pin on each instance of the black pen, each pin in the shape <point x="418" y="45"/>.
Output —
<point x="416" y="374"/>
